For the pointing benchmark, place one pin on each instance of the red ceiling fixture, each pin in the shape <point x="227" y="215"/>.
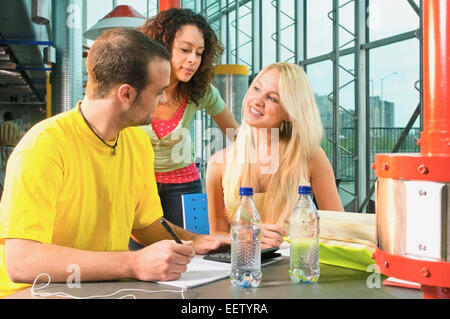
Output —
<point x="121" y="17"/>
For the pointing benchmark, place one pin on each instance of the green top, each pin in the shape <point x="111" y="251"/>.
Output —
<point x="176" y="149"/>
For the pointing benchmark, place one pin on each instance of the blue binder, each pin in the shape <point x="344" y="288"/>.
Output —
<point x="195" y="213"/>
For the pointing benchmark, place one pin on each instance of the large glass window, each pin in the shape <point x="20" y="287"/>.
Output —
<point x="268" y="33"/>
<point x="287" y="31"/>
<point x="381" y="75"/>
<point x="243" y="47"/>
<point x="189" y="4"/>
<point x="321" y="78"/>
<point x="346" y="24"/>
<point x="346" y="129"/>
<point x="319" y="28"/>
<point x="394" y="76"/>
<point x="144" y="7"/>
<point x="388" y="18"/>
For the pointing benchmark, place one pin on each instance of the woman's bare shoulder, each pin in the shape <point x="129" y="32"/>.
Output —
<point x="220" y="157"/>
<point x="217" y="162"/>
<point x="318" y="158"/>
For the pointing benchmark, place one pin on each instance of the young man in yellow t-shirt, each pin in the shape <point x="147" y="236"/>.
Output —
<point x="79" y="183"/>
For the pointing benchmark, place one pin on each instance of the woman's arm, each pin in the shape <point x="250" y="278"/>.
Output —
<point x="225" y="120"/>
<point x="323" y="182"/>
<point x="218" y="223"/>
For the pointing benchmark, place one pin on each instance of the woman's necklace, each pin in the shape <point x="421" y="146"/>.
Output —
<point x="173" y="99"/>
<point x="113" y="147"/>
<point x="166" y="102"/>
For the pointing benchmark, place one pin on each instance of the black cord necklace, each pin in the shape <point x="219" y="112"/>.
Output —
<point x="113" y="147"/>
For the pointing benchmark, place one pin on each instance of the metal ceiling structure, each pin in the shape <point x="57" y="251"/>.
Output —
<point x="23" y="73"/>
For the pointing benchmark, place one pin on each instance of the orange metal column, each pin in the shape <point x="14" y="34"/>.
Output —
<point x="435" y="138"/>
<point x="433" y="161"/>
<point x="168" y="4"/>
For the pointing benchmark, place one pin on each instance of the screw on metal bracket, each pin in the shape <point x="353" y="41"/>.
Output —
<point x="422" y="169"/>
<point x="422" y="247"/>
<point x="425" y="272"/>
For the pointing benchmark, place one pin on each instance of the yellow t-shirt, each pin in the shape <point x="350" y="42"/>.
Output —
<point x="63" y="186"/>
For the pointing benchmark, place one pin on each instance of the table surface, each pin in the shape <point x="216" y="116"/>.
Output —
<point x="334" y="283"/>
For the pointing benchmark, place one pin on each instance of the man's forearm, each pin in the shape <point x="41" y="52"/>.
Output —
<point x="155" y="232"/>
<point x="201" y="243"/>
<point x="26" y="259"/>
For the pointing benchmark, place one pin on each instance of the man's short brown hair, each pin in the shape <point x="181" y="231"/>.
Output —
<point x="121" y="56"/>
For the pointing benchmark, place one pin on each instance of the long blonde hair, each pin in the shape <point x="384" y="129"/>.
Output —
<point x="299" y="138"/>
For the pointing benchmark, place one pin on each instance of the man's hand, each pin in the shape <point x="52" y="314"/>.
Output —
<point x="201" y="243"/>
<point x="205" y="243"/>
<point x="162" y="261"/>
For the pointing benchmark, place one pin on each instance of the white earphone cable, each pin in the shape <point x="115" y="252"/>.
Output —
<point x="34" y="291"/>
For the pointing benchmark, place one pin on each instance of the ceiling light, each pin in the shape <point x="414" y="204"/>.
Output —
<point x="121" y="17"/>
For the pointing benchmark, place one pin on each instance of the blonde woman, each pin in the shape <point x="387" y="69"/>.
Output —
<point x="276" y="150"/>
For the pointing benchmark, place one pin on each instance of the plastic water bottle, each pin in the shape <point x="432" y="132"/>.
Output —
<point x="304" y="230"/>
<point x="246" y="242"/>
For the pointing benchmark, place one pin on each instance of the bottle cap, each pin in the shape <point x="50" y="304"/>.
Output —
<point x="304" y="190"/>
<point x="246" y="191"/>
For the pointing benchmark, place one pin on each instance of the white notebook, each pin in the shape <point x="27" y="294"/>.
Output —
<point x="200" y="272"/>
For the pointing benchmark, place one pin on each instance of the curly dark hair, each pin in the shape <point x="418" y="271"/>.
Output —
<point x="163" y="28"/>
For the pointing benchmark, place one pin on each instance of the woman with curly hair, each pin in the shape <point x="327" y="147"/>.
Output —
<point x="194" y="48"/>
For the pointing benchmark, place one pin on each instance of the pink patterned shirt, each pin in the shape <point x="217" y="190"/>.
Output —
<point x="162" y="128"/>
